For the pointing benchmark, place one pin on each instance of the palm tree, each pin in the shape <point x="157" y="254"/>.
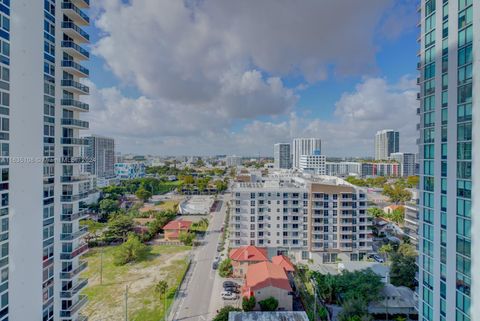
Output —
<point x="161" y="288"/>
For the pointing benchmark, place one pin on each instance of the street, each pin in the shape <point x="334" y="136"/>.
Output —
<point x="193" y="301"/>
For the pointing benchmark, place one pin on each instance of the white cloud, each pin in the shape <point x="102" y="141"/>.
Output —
<point x="154" y="126"/>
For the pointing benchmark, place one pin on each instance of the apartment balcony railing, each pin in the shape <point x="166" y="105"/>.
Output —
<point x="73" y="141"/>
<point x="81" y="3"/>
<point x="74" y="13"/>
<point x="82" y="283"/>
<point x="74" y="198"/>
<point x="72" y="178"/>
<point x="75" y="235"/>
<point x="75" y="50"/>
<point x="75" y="32"/>
<point x="75" y="68"/>
<point x="75" y="105"/>
<point x="79" y="250"/>
<point x="70" y="312"/>
<point x="71" y="274"/>
<point x="76" y="123"/>
<point x="75" y="86"/>
<point x="69" y="217"/>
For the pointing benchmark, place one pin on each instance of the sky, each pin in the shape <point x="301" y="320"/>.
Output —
<point x="208" y="77"/>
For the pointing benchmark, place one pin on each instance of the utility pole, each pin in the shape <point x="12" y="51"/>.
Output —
<point x="101" y="266"/>
<point x="126" y="302"/>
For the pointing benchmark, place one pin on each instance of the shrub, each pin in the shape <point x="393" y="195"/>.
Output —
<point x="225" y="269"/>
<point x="223" y="313"/>
<point x="248" y="304"/>
<point x="269" y="304"/>
<point x="131" y="251"/>
<point x="186" y="238"/>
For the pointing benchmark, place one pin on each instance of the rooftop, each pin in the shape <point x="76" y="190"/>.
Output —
<point x="284" y="262"/>
<point x="178" y="225"/>
<point x="265" y="274"/>
<point x="249" y="253"/>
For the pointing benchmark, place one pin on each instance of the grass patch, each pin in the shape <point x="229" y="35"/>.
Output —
<point x="107" y="300"/>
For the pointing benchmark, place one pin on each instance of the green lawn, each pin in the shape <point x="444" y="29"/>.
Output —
<point x="166" y="187"/>
<point x="107" y="300"/>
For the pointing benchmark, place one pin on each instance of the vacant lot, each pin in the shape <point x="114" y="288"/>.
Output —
<point x="107" y="300"/>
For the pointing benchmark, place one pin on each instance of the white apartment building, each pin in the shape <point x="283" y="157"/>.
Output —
<point x="387" y="141"/>
<point x="310" y="218"/>
<point x="282" y="156"/>
<point x="305" y="146"/>
<point x="100" y="154"/>
<point x="343" y="169"/>
<point x="41" y="57"/>
<point x="314" y="164"/>
<point x="406" y="161"/>
<point x="233" y="161"/>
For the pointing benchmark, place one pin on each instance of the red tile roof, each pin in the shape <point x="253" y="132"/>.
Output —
<point x="178" y="225"/>
<point x="284" y="262"/>
<point x="264" y="274"/>
<point x="249" y="253"/>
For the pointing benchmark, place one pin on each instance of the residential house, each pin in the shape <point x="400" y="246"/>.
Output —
<point x="264" y="280"/>
<point x="173" y="228"/>
<point x="244" y="256"/>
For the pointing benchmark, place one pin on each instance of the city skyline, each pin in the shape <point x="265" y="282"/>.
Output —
<point x="241" y="102"/>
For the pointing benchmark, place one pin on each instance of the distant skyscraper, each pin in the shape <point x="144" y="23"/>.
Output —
<point x="282" y="156"/>
<point x="387" y="141"/>
<point x="449" y="279"/>
<point x="101" y="152"/>
<point x="42" y="72"/>
<point x="406" y="161"/>
<point x="305" y="146"/>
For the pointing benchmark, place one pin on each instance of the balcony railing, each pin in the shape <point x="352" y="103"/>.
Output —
<point x="73" y="141"/>
<point x="75" y="68"/>
<point x="70" y="312"/>
<point x="68" y="217"/>
<point x="72" y="178"/>
<point x="74" y="198"/>
<point x="71" y="274"/>
<point x="75" y="50"/>
<point x="75" y="104"/>
<point x="72" y="236"/>
<point x="71" y="255"/>
<point x="74" y="13"/>
<point x="81" y="3"/>
<point x="75" y="123"/>
<point x="82" y="283"/>
<point x="75" y="32"/>
<point x="75" y="86"/>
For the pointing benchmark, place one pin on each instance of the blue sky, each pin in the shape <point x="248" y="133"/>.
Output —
<point x="216" y="77"/>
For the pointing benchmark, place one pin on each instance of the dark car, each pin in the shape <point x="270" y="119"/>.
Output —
<point x="230" y="284"/>
<point x="215" y="265"/>
<point x="232" y="289"/>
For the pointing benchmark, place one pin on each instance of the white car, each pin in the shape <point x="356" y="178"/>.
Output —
<point x="227" y="295"/>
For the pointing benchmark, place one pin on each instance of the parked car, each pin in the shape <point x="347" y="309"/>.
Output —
<point x="232" y="289"/>
<point x="215" y="265"/>
<point x="228" y="284"/>
<point x="378" y="258"/>
<point x="228" y="295"/>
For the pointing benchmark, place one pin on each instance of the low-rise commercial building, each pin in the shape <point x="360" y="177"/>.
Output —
<point x="129" y="170"/>
<point x="322" y="219"/>
<point x="244" y="256"/>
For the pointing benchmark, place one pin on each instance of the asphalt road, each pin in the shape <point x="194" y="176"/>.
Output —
<point x="193" y="302"/>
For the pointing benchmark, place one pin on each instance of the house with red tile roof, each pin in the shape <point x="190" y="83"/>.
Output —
<point x="243" y="256"/>
<point x="264" y="280"/>
<point x="173" y="228"/>
<point x="284" y="262"/>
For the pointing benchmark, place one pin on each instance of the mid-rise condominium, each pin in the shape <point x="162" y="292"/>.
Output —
<point x="314" y="164"/>
<point x="305" y="146"/>
<point x="323" y="219"/>
<point x="407" y="163"/>
<point x="282" y="156"/>
<point x="42" y="191"/>
<point x="100" y="153"/>
<point x="449" y="280"/>
<point x="387" y="141"/>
